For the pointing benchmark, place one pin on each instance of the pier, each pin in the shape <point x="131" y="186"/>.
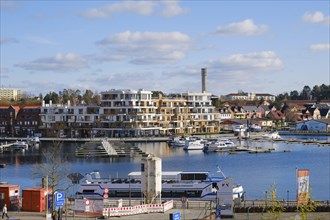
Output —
<point x="6" y="146"/>
<point x="106" y="148"/>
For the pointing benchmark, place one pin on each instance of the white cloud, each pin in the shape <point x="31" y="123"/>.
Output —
<point x="8" y="40"/>
<point x="147" y="47"/>
<point x="59" y="63"/>
<point x="167" y="9"/>
<point x="172" y="8"/>
<point x="244" y="28"/>
<point x="107" y="11"/>
<point x="320" y="47"/>
<point x="316" y="17"/>
<point x="251" y="62"/>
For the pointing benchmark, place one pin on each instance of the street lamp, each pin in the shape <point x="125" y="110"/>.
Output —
<point x="287" y="195"/>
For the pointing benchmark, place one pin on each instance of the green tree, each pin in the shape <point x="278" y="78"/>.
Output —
<point x="273" y="206"/>
<point x="306" y="93"/>
<point x="52" y="96"/>
<point x="294" y="95"/>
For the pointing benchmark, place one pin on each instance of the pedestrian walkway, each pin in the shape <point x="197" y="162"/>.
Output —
<point x="187" y="214"/>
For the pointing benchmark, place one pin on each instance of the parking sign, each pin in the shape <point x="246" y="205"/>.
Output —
<point x="59" y="199"/>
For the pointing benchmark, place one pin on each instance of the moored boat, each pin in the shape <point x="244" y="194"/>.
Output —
<point x="219" y="145"/>
<point x="194" y="143"/>
<point x="175" y="184"/>
<point x="20" y="145"/>
<point x="177" y="141"/>
<point x="272" y="135"/>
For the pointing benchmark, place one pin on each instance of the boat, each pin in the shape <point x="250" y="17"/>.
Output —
<point x="272" y="135"/>
<point x="177" y="141"/>
<point x="175" y="184"/>
<point x="219" y="145"/>
<point x="194" y="143"/>
<point x="20" y="145"/>
<point x="33" y="141"/>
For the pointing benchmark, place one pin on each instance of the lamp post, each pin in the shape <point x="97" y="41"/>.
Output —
<point x="287" y="197"/>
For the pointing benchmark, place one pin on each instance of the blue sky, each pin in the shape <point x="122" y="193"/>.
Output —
<point x="254" y="46"/>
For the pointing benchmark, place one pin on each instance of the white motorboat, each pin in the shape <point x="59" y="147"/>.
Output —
<point x="175" y="184"/>
<point x="34" y="141"/>
<point x="177" y="141"/>
<point x="272" y="135"/>
<point x="219" y="145"/>
<point x="194" y="143"/>
<point x="20" y="145"/>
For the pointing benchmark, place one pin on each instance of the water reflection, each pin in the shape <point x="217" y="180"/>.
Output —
<point x="256" y="172"/>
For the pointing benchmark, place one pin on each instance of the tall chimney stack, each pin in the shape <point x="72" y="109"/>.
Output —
<point x="203" y="80"/>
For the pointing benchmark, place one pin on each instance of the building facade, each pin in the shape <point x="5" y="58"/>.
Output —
<point x="127" y="113"/>
<point x="10" y="94"/>
<point x="19" y="121"/>
<point x="68" y="121"/>
<point x="251" y="96"/>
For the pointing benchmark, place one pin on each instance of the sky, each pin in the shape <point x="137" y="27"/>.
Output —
<point x="251" y="46"/>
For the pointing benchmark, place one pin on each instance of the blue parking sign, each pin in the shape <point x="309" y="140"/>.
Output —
<point x="59" y="198"/>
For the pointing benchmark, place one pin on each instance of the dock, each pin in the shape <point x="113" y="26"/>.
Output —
<point x="106" y="148"/>
<point x="6" y="146"/>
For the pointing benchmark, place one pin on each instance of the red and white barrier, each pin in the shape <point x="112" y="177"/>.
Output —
<point x="138" y="209"/>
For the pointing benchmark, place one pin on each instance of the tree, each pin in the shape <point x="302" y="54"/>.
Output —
<point x="306" y="93"/>
<point x="54" y="169"/>
<point x="294" y="95"/>
<point x="274" y="207"/>
<point x="52" y="96"/>
<point x="155" y="94"/>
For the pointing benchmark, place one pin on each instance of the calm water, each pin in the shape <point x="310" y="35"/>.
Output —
<point x="256" y="172"/>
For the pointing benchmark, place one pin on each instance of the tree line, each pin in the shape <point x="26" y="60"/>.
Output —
<point x="317" y="93"/>
<point x="88" y="97"/>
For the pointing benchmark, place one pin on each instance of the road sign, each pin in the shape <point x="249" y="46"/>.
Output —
<point x="106" y="190"/>
<point x="59" y="199"/>
<point x="87" y="202"/>
<point x="175" y="216"/>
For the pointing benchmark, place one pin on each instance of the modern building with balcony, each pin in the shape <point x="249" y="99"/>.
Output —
<point x="68" y="121"/>
<point x="127" y="113"/>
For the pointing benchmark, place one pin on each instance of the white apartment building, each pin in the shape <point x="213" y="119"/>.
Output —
<point x="127" y="112"/>
<point x="130" y="113"/>
<point x="10" y="94"/>
<point x="250" y="96"/>
<point x="70" y="121"/>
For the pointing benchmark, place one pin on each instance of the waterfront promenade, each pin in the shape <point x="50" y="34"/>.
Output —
<point x="187" y="214"/>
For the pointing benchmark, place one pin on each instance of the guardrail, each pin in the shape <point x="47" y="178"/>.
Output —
<point x="138" y="209"/>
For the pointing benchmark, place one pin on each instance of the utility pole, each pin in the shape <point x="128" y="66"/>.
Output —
<point x="46" y="197"/>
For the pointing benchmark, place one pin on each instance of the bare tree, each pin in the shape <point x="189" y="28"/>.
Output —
<point x="53" y="168"/>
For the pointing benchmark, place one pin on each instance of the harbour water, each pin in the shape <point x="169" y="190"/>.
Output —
<point x="256" y="172"/>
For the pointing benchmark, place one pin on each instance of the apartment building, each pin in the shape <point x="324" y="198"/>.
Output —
<point x="10" y="94"/>
<point x="173" y="115"/>
<point x="19" y="120"/>
<point x="203" y="115"/>
<point x="250" y="96"/>
<point x="127" y="113"/>
<point x="68" y="121"/>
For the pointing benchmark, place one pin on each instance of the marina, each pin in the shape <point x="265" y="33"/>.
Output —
<point x="278" y="166"/>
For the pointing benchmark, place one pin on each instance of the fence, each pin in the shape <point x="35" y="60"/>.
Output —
<point x="138" y="209"/>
